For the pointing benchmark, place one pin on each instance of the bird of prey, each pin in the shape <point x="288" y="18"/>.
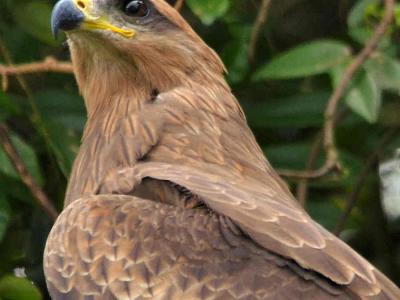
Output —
<point x="170" y="196"/>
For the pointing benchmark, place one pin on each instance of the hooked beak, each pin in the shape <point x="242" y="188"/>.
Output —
<point x="70" y="15"/>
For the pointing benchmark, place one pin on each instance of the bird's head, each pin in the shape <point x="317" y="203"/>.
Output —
<point x="143" y="39"/>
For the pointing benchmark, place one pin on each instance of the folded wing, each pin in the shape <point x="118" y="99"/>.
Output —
<point x="286" y="230"/>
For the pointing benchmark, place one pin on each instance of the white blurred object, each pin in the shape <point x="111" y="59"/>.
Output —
<point x="389" y="172"/>
<point x="20" y="272"/>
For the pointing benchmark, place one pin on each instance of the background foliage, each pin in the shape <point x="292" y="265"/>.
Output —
<point x="302" y="51"/>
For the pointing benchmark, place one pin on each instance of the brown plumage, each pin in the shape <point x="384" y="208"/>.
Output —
<point x="170" y="196"/>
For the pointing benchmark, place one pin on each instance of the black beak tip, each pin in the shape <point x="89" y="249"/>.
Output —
<point x="65" y="16"/>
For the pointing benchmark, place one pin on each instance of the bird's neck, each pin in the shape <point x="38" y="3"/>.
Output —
<point x="114" y="87"/>
<point x="105" y="82"/>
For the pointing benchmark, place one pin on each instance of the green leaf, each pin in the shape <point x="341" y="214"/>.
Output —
<point x="6" y="166"/>
<point x="34" y="18"/>
<point x="288" y="156"/>
<point x="13" y="189"/>
<point x="306" y="60"/>
<point x="363" y="97"/>
<point x="64" y="108"/>
<point x="14" y="288"/>
<point x="358" y="12"/>
<point x="7" y="107"/>
<point x="358" y="26"/>
<point x="363" y="34"/>
<point x="324" y="211"/>
<point x="385" y="71"/>
<point x="235" y="53"/>
<point x="27" y="154"/>
<point x="65" y="118"/>
<point x="209" y="10"/>
<point x="65" y="145"/>
<point x="298" y="111"/>
<point x="4" y="215"/>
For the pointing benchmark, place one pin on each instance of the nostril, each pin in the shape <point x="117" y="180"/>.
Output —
<point x="81" y="4"/>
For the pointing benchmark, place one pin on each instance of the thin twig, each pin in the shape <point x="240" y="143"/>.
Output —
<point x="258" y="25"/>
<point x="302" y="186"/>
<point x="332" y="161"/>
<point x="39" y="194"/>
<point x="48" y="65"/>
<point x="316" y="148"/>
<point x="179" y="4"/>
<point x="36" y="116"/>
<point x="370" y="163"/>
<point x="26" y="177"/>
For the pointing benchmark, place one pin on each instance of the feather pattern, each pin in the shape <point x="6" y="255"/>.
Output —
<point x="172" y="198"/>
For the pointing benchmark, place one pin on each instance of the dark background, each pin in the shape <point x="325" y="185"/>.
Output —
<point x="45" y="116"/>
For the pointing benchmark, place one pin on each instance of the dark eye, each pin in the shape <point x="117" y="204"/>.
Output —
<point x="136" y="8"/>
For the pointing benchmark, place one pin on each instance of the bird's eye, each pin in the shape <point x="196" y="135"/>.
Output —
<point x="136" y="8"/>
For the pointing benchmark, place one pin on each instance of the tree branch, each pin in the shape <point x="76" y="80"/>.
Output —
<point x="49" y="64"/>
<point x="179" y="4"/>
<point x="26" y="177"/>
<point x="258" y="25"/>
<point x="316" y="148"/>
<point x="23" y="172"/>
<point x="332" y="161"/>
<point x="370" y="162"/>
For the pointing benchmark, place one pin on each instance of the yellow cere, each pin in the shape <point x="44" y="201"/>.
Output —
<point x="99" y="22"/>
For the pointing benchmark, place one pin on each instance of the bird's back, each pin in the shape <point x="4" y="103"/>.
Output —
<point x="199" y="214"/>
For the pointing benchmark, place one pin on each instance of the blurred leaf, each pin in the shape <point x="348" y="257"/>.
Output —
<point x="14" y="189"/>
<point x="385" y="71"/>
<point x="27" y="154"/>
<point x="359" y="29"/>
<point x="65" y="145"/>
<point x="363" y="97"/>
<point x="363" y="34"/>
<point x="235" y="53"/>
<point x="13" y="248"/>
<point x="352" y="166"/>
<point x="4" y="215"/>
<point x="324" y="211"/>
<point x="62" y="107"/>
<point x="358" y="12"/>
<point x="209" y="10"/>
<point x="305" y="60"/>
<point x="292" y="112"/>
<point x="6" y="166"/>
<point x="7" y="107"/>
<point x="34" y="18"/>
<point x="235" y="58"/>
<point x="290" y="156"/>
<point x="14" y="288"/>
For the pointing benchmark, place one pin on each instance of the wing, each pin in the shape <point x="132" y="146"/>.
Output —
<point x="199" y="140"/>
<point x="286" y="230"/>
<point x="122" y="247"/>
